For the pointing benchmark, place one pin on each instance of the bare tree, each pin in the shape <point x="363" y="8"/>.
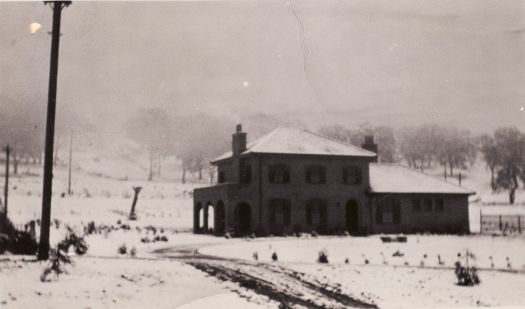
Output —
<point x="490" y="153"/>
<point x="510" y="144"/>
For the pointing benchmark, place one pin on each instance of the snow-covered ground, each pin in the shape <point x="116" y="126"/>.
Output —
<point x="105" y="278"/>
<point x="397" y="281"/>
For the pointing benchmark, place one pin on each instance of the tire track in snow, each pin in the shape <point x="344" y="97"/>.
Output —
<point x="289" y="288"/>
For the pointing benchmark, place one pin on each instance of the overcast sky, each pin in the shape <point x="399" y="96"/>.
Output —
<point x="387" y="62"/>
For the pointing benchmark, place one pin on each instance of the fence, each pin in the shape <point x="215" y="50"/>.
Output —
<point x="508" y="224"/>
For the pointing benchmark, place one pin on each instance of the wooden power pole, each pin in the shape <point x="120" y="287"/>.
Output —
<point x="43" y="247"/>
<point x="70" y="161"/>
<point x="6" y="184"/>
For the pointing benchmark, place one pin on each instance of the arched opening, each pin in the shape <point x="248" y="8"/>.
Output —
<point x="220" y="218"/>
<point x="197" y="217"/>
<point x="202" y="222"/>
<point x="210" y="218"/>
<point x="352" y="216"/>
<point x="243" y="216"/>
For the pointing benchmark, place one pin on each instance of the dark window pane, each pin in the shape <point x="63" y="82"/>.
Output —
<point x="315" y="174"/>
<point x="397" y="211"/>
<point x="279" y="173"/>
<point x="416" y="205"/>
<point x="427" y="204"/>
<point x="439" y="205"/>
<point x="222" y="177"/>
<point x="379" y="213"/>
<point x="352" y="175"/>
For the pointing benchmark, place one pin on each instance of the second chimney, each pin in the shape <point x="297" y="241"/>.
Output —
<point x="370" y="145"/>
<point x="238" y="141"/>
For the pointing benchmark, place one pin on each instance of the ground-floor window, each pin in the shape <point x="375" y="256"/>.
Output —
<point x="280" y="212"/>
<point x="316" y="212"/>
<point x="388" y="211"/>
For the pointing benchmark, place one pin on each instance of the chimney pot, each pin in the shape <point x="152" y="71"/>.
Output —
<point x="238" y="140"/>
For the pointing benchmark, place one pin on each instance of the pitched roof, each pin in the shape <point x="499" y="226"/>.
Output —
<point x="395" y="178"/>
<point x="286" y="140"/>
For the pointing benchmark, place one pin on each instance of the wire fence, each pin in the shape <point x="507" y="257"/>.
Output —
<point x="508" y="224"/>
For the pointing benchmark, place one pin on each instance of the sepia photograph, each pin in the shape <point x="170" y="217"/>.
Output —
<point x="262" y="154"/>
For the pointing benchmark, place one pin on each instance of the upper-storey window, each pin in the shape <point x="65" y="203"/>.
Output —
<point x="245" y="172"/>
<point x="222" y="177"/>
<point x="315" y="174"/>
<point x="351" y="175"/>
<point x="279" y="173"/>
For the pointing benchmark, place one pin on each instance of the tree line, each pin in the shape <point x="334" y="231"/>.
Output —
<point x="430" y="145"/>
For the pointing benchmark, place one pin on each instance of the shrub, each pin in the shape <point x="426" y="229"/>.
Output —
<point x="347" y="261"/>
<point x="133" y="252"/>
<point x="57" y="258"/>
<point x="255" y="255"/>
<point x="314" y="234"/>
<point x="123" y="249"/>
<point x="91" y="228"/>
<point x="467" y="276"/>
<point x="72" y="240"/>
<point x="322" y="257"/>
<point x="274" y="256"/>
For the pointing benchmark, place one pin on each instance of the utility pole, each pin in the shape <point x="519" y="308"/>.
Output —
<point x="6" y="184"/>
<point x="43" y="247"/>
<point x="70" y="160"/>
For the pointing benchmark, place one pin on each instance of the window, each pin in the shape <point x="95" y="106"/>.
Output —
<point x="315" y="174"/>
<point x="351" y="175"/>
<point x="388" y="211"/>
<point x="316" y="212"/>
<point x="280" y="212"/>
<point x="245" y="171"/>
<point x="439" y="205"/>
<point x="427" y="204"/>
<point x="222" y="177"/>
<point x="416" y="205"/>
<point x="279" y="173"/>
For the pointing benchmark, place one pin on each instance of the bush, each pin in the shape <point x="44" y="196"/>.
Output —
<point x="314" y="234"/>
<point x="255" y="255"/>
<point x="57" y="258"/>
<point x="275" y="258"/>
<point x="323" y="257"/>
<point x="467" y="276"/>
<point x="14" y="241"/>
<point x="72" y="240"/>
<point x="133" y="252"/>
<point x="123" y="249"/>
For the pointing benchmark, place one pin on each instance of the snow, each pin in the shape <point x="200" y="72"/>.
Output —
<point x="112" y="283"/>
<point x="395" y="178"/>
<point x="395" y="284"/>
<point x="290" y="140"/>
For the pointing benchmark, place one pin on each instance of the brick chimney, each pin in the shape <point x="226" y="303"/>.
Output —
<point x="238" y="141"/>
<point x="370" y="145"/>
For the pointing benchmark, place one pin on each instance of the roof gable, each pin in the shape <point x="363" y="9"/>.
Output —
<point x="286" y="140"/>
<point x="395" y="178"/>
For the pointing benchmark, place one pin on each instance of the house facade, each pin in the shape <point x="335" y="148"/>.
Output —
<point x="293" y="180"/>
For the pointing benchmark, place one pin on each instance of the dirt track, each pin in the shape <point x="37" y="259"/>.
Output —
<point x="289" y="288"/>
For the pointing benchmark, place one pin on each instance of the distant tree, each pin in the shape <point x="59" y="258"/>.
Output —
<point x="510" y="143"/>
<point x="490" y="153"/>
<point x="418" y="145"/>
<point x="454" y="148"/>
<point x="198" y="139"/>
<point x="336" y="132"/>
<point x="384" y="137"/>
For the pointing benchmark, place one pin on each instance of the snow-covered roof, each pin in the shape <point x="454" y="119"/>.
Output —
<point x="287" y="140"/>
<point x="395" y="178"/>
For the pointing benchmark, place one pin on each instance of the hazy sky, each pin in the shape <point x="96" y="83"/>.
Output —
<point x="386" y="62"/>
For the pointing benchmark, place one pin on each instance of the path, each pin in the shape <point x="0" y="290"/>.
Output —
<point x="289" y="288"/>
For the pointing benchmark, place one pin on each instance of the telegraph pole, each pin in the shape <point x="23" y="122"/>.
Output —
<point x="43" y="247"/>
<point x="6" y="184"/>
<point x="70" y="160"/>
